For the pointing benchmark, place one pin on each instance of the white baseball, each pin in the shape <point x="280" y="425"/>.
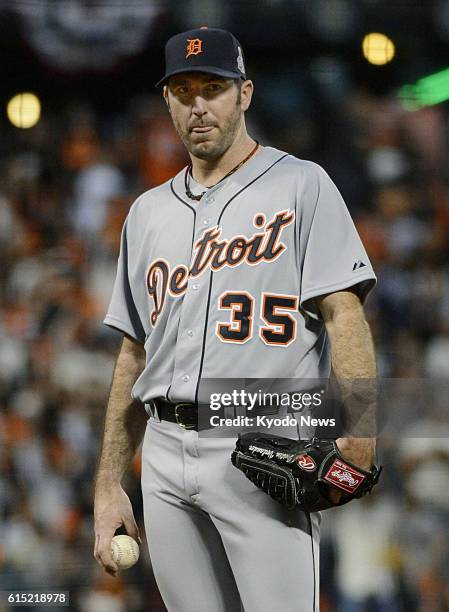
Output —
<point x="124" y="551"/>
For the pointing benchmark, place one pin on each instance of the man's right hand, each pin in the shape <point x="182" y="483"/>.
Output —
<point x="112" y="509"/>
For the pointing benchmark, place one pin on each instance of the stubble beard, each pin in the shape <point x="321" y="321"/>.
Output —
<point x="210" y="150"/>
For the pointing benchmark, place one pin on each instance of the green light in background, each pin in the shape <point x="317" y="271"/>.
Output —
<point x="429" y="90"/>
<point x="408" y="99"/>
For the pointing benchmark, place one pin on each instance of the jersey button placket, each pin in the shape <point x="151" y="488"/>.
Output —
<point x="193" y="313"/>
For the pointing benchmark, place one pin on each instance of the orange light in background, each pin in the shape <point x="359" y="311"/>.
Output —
<point x="24" y="110"/>
<point x="378" y="49"/>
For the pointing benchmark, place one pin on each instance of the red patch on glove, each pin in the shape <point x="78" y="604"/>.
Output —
<point x="344" y="477"/>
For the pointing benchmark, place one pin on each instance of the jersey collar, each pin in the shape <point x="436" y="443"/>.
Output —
<point x="230" y="186"/>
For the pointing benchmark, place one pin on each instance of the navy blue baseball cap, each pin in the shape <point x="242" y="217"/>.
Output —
<point x="204" y="50"/>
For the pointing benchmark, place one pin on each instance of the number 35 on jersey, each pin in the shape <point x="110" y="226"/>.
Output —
<point x="277" y="325"/>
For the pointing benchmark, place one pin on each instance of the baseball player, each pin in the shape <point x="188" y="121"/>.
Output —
<point x="245" y="264"/>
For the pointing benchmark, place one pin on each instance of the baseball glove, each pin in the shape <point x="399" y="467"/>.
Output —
<point x="301" y="472"/>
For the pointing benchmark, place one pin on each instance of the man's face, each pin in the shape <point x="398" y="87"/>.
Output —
<point x="206" y="111"/>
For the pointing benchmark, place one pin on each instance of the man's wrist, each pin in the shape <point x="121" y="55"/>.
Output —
<point x="107" y="480"/>
<point x="359" y="451"/>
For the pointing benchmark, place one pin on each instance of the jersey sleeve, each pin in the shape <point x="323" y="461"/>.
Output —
<point x="333" y="257"/>
<point x="122" y="312"/>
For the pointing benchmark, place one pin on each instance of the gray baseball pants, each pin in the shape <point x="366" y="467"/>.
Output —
<point x="218" y="543"/>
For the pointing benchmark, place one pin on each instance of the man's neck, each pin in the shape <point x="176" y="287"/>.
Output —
<point x="208" y="173"/>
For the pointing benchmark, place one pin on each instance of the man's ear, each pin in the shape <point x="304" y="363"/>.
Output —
<point x="246" y="93"/>
<point x="165" y="96"/>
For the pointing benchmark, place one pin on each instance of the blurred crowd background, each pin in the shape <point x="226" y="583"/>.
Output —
<point x="66" y="185"/>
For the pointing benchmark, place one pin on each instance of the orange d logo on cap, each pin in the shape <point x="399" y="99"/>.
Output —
<point x="194" y="46"/>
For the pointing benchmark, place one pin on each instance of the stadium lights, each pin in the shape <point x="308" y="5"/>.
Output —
<point x="378" y="49"/>
<point x="24" y="110"/>
<point x="430" y="90"/>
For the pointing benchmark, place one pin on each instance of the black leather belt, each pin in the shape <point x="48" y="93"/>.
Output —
<point x="184" y="414"/>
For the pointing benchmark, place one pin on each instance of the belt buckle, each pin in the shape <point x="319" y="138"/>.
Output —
<point x="177" y="416"/>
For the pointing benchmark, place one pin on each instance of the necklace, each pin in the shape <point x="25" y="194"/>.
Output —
<point x="192" y="196"/>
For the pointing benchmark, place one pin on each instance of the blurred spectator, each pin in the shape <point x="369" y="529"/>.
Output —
<point x="366" y="549"/>
<point x="94" y="187"/>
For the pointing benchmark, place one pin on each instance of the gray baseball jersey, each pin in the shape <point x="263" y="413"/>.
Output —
<point x="223" y="287"/>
